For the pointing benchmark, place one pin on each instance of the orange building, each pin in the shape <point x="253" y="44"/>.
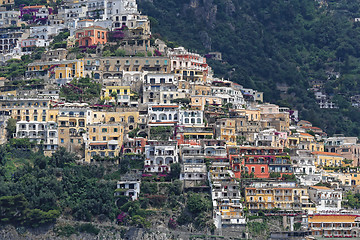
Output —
<point x="90" y="36"/>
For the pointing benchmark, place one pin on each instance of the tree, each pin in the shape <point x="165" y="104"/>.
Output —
<point x="175" y="171"/>
<point x="175" y="187"/>
<point x="115" y="96"/>
<point x="62" y="157"/>
<point x="197" y="203"/>
<point x="120" y="52"/>
<point x="10" y="128"/>
<point x="26" y="17"/>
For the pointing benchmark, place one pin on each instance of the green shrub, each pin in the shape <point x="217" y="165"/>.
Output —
<point x="88" y="228"/>
<point x="65" y="230"/>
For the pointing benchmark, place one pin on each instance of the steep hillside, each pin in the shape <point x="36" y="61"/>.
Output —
<point x="279" y="47"/>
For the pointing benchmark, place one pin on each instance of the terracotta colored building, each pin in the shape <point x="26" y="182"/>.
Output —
<point x="258" y="165"/>
<point x="91" y="36"/>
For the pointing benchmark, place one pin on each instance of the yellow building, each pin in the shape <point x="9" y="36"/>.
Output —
<point x="355" y="178"/>
<point x="52" y="114"/>
<point x="71" y="127"/>
<point x="123" y="94"/>
<point x="226" y="129"/>
<point x="199" y="102"/>
<point x="293" y="142"/>
<point x="104" y="140"/>
<point x="200" y="89"/>
<point x="65" y="69"/>
<point x="190" y="75"/>
<point x="328" y="159"/>
<point x="6" y="2"/>
<point x="284" y="198"/>
<point x="7" y="92"/>
<point x="129" y="117"/>
<point x="26" y="109"/>
<point x="252" y="115"/>
<point x="183" y="86"/>
<point x="304" y="141"/>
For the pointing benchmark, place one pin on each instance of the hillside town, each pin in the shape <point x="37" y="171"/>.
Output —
<point x="100" y="85"/>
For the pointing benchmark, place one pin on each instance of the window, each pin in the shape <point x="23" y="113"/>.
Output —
<point x="115" y="130"/>
<point x="72" y="140"/>
<point x="262" y="170"/>
<point x="131" y="119"/>
<point x="62" y="140"/>
<point x="104" y="138"/>
<point x="94" y="138"/>
<point x="104" y="129"/>
<point x="94" y="130"/>
<point x="79" y="140"/>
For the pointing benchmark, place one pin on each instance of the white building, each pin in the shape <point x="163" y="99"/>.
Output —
<point x="8" y="18"/>
<point x="160" y="78"/>
<point x="189" y="117"/>
<point x="163" y="114"/>
<point x="229" y="95"/>
<point x="128" y="188"/>
<point x="44" y="32"/>
<point x="33" y="130"/>
<point x="226" y="196"/>
<point x="326" y="199"/>
<point x="51" y="140"/>
<point x="45" y="132"/>
<point x="160" y="155"/>
<point x="183" y="59"/>
<point x="193" y="172"/>
<point x="304" y="163"/>
<point x="267" y="138"/>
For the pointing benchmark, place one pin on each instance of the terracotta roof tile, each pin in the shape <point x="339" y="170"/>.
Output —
<point x="326" y="153"/>
<point x="332" y="218"/>
<point x="321" y="187"/>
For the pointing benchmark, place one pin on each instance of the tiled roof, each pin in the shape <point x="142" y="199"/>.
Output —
<point x="326" y="153"/>
<point x="162" y="122"/>
<point x="320" y="187"/>
<point x="165" y="106"/>
<point x="306" y="134"/>
<point x="98" y="144"/>
<point x="333" y="218"/>
<point x="39" y="6"/>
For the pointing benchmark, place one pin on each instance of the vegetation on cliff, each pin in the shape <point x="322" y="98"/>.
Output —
<point x="278" y="47"/>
